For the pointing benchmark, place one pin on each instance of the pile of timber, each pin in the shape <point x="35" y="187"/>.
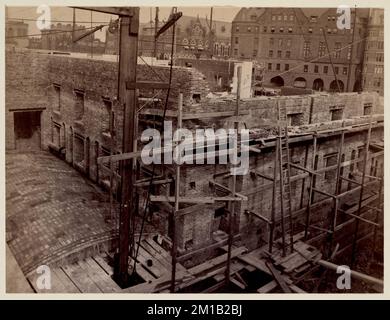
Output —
<point x="300" y="261"/>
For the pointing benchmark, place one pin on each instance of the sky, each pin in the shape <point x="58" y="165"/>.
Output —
<point x="83" y="16"/>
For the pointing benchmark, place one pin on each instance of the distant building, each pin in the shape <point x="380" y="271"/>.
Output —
<point x="292" y="44"/>
<point x="373" y="65"/>
<point x="16" y="33"/>
<point x="192" y="39"/>
<point x="59" y="37"/>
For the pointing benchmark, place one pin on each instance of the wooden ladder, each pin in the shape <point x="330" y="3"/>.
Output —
<point x="284" y="174"/>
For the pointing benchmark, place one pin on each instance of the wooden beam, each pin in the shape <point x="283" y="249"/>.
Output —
<point x="154" y="182"/>
<point x="146" y="85"/>
<point x="228" y="190"/>
<point x="259" y="216"/>
<point x="193" y="199"/>
<point x="278" y="277"/>
<point x="362" y="219"/>
<point x="121" y="11"/>
<point x="324" y="193"/>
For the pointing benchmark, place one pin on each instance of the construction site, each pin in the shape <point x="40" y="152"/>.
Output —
<point x="309" y="201"/>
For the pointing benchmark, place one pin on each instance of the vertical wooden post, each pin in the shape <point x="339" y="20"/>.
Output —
<point x="234" y="179"/>
<point x="177" y="195"/>
<point x="155" y="32"/>
<point x="312" y="177"/>
<point x="367" y="147"/>
<point x="127" y="72"/>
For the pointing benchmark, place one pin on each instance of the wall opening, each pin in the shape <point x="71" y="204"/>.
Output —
<point x="27" y="127"/>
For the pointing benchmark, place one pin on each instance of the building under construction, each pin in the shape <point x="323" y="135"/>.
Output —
<point x="310" y="201"/>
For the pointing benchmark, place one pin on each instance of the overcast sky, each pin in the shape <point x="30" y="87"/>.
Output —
<point x="84" y="17"/>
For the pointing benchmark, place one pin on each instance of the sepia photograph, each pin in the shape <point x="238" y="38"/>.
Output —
<point x="218" y="149"/>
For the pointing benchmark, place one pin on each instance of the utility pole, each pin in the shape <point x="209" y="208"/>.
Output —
<point x="211" y="44"/>
<point x="155" y="32"/>
<point x="127" y="97"/>
<point x="73" y="29"/>
<point x="351" y="48"/>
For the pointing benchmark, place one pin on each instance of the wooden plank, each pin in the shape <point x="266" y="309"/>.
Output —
<point x="194" y="199"/>
<point x="105" y="278"/>
<point x="154" y="258"/>
<point x="237" y="283"/>
<point x="141" y="271"/>
<point x="278" y="277"/>
<point x="104" y="265"/>
<point x="268" y="287"/>
<point x="142" y="258"/>
<point x="102" y="280"/>
<point x="161" y="258"/>
<point x="202" y="115"/>
<point x="80" y="278"/>
<point x="216" y="261"/>
<point x="57" y="285"/>
<point x="70" y="287"/>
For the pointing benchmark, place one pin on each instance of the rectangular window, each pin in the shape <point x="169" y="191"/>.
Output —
<point x="321" y="49"/>
<point x="79" y="104"/>
<point x="336" y="114"/>
<point x="236" y="40"/>
<point x="272" y="29"/>
<point x="310" y="30"/>
<point x="269" y="66"/>
<point x="295" y="119"/>
<point x="271" y="41"/>
<point x="313" y="19"/>
<point x="57" y="90"/>
<point x="237" y="29"/>
<point x="264" y="29"/>
<point x="279" y="54"/>
<point x="326" y="69"/>
<point x="281" y="29"/>
<point x="315" y="69"/>
<point x="286" y="67"/>
<point x="345" y="70"/>
<point x="337" y="48"/>
<point x="280" y="42"/>
<point x="288" y="54"/>
<point x="270" y="53"/>
<point x="336" y="70"/>
<point x="255" y="53"/>
<point x="109" y="118"/>
<point x="306" y="49"/>
<point x="291" y="17"/>
<point x="288" y="43"/>
<point x="273" y="17"/>
<point x="290" y="30"/>
<point x="330" y="160"/>
<point x="235" y="52"/>
<point x="305" y="68"/>
<point x="349" y="53"/>
<point x="278" y="66"/>
<point x="367" y="109"/>
<point x="249" y="29"/>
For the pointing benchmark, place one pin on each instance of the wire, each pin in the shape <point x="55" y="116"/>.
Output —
<point x="49" y="33"/>
<point x="70" y="21"/>
<point x="147" y="200"/>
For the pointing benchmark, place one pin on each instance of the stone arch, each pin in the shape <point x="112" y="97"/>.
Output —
<point x="333" y="87"/>
<point x="318" y="84"/>
<point x="277" y="81"/>
<point x="299" y="82"/>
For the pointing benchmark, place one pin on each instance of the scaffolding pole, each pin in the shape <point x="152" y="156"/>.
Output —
<point x="367" y="147"/>
<point x="234" y="180"/>
<point x="177" y="195"/>
<point x="312" y="177"/>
